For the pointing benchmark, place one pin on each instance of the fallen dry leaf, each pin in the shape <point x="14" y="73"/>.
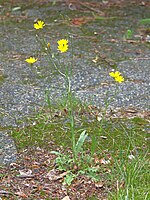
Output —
<point x="14" y="165"/>
<point x="131" y="157"/>
<point x="103" y="137"/>
<point x="66" y="198"/>
<point x="81" y="20"/>
<point x="4" y="192"/>
<point x="95" y="60"/>
<point x="120" y="185"/>
<point x="26" y="173"/>
<point x="34" y="166"/>
<point x="99" y="185"/>
<point x="104" y="161"/>
<point x="53" y="176"/>
<point x="21" y="194"/>
<point x="99" y="118"/>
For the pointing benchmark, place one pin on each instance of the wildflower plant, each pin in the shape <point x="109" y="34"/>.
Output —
<point x="65" y="71"/>
<point x="118" y="78"/>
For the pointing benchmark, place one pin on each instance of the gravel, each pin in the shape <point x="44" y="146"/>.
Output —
<point x="22" y="92"/>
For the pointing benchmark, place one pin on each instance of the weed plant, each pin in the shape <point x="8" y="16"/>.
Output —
<point x="128" y="35"/>
<point x="124" y="166"/>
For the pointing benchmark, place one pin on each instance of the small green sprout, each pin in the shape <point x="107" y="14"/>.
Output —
<point x="128" y="35"/>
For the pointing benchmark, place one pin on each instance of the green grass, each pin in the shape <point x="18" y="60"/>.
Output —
<point x="116" y="138"/>
<point x="131" y="178"/>
<point x="2" y="78"/>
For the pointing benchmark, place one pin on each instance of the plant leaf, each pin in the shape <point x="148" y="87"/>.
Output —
<point x="80" y="141"/>
<point x="16" y="8"/>
<point x="145" y="21"/>
<point x="69" y="178"/>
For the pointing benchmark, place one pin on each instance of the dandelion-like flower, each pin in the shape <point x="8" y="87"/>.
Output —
<point x="31" y="60"/>
<point x="39" y="24"/>
<point x="117" y="76"/>
<point x="114" y="74"/>
<point x="62" y="45"/>
<point x="119" y="79"/>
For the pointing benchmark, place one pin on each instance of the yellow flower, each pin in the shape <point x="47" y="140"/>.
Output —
<point x="62" y="45"/>
<point x="114" y="74"/>
<point x="117" y="76"/>
<point x="39" y="25"/>
<point x="31" y="60"/>
<point x="48" y="45"/>
<point x="119" y="79"/>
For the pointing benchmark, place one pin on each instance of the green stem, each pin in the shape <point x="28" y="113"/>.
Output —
<point x="71" y="116"/>
<point x="67" y="75"/>
<point x="73" y="135"/>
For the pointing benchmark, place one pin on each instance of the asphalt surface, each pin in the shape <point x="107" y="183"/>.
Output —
<point x="22" y="92"/>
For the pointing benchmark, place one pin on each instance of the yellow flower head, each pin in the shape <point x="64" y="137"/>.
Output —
<point x="39" y="25"/>
<point x="117" y="76"/>
<point x="31" y="60"/>
<point x="119" y="79"/>
<point x="62" y="45"/>
<point x="114" y="74"/>
<point x="48" y="45"/>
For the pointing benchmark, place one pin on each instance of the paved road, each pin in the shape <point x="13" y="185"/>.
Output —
<point x="22" y="91"/>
